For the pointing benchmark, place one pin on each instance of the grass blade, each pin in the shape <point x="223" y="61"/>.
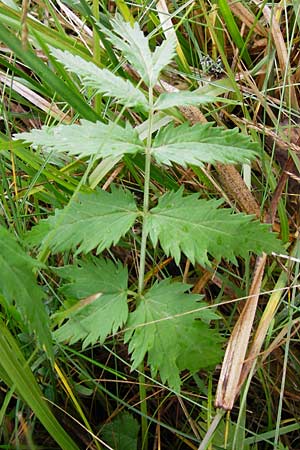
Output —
<point x="16" y="368"/>
<point x="34" y="63"/>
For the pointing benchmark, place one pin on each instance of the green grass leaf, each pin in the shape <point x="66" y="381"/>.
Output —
<point x="202" y="144"/>
<point x="18" y="285"/>
<point x="198" y="228"/>
<point x="86" y="139"/>
<point x="102" y="80"/>
<point x="164" y="325"/>
<point x="46" y="75"/>
<point x="20" y="378"/>
<point x="102" y="287"/>
<point x="93" y="220"/>
<point x="233" y="29"/>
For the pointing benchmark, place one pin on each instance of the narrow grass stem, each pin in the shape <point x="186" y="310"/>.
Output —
<point x="143" y="407"/>
<point x="210" y="432"/>
<point x="96" y="53"/>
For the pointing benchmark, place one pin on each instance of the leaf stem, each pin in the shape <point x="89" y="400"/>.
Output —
<point x="142" y="387"/>
<point x="146" y="194"/>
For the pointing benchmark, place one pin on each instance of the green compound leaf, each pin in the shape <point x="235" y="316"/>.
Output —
<point x="133" y="44"/>
<point x="18" y="285"/>
<point x="203" y="95"/>
<point x="164" y="326"/>
<point x="197" y="227"/>
<point x="162" y="56"/>
<point x="37" y="235"/>
<point x="122" y="432"/>
<point x="135" y="47"/>
<point x="92" y="220"/>
<point x="102" y="80"/>
<point x="101" y="287"/>
<point x="202" y="144"/>
<point x="87" y="139"/>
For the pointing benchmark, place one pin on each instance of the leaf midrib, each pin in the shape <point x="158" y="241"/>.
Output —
<point x="190" y="222"/>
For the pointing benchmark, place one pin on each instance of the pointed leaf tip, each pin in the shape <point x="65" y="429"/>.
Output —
<point x="101" y="287"/>
<point x="85" y="139"/>
<point x="164" y="326"/>
<point x="199" y="228"/>
<point x="102" y="80"/>
<point x="200" y="144"/>
<point x="93" y="220"/>
<point x="134" y="45"/>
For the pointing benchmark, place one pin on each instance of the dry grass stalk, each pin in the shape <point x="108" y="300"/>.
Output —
<point x="228" y="386"/>
<point x="282" y="53"/>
